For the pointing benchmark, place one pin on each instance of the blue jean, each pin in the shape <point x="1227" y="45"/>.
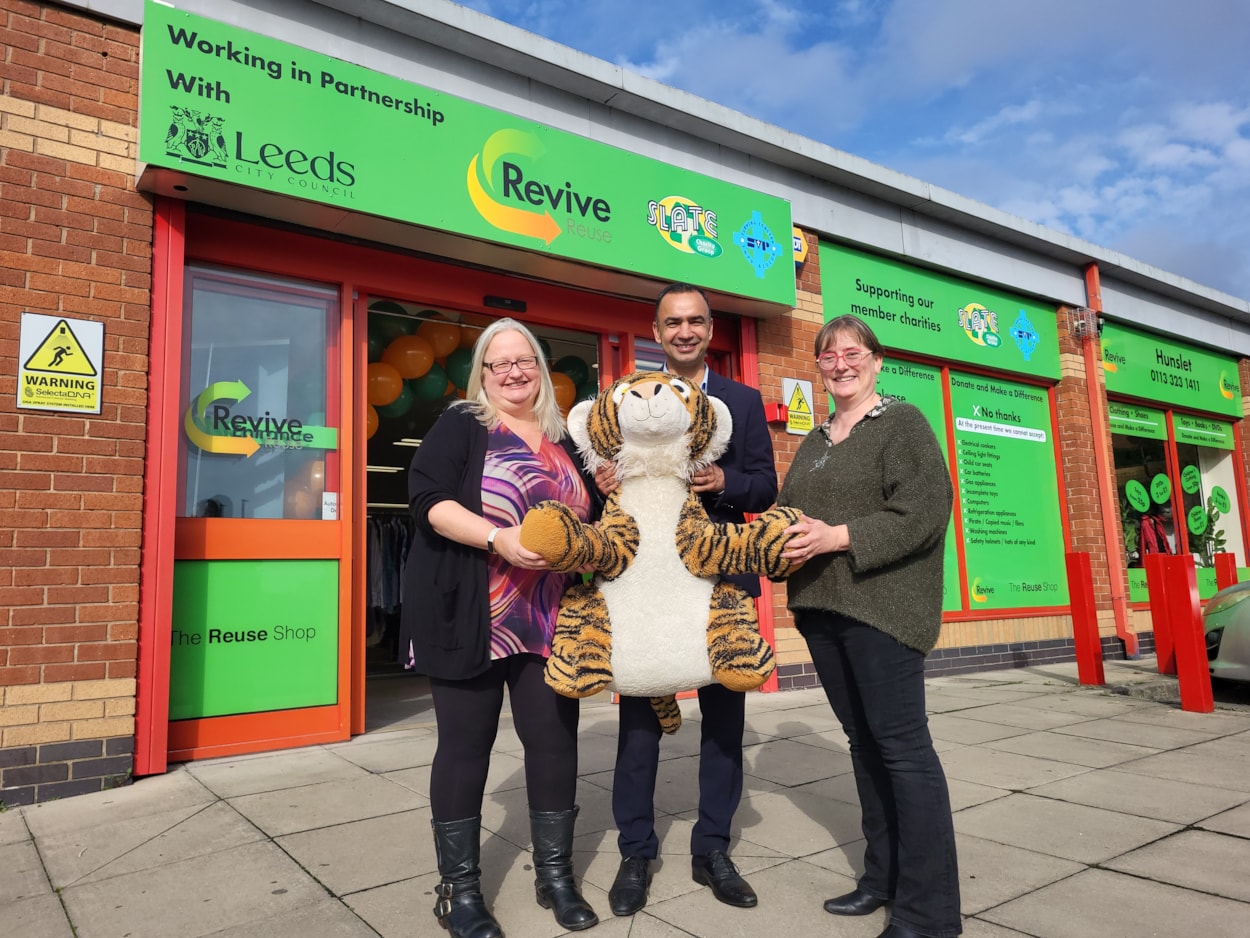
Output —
<point x="875" y="685"/>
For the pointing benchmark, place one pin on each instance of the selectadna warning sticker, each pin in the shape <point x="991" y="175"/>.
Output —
<point x="60" y="364"/>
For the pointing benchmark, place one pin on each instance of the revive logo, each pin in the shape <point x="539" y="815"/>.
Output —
<point x="523" y="205"/>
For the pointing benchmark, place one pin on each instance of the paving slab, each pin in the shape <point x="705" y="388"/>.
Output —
<point x="13" y="827"/>
<point x="230" y="777"/>
<point x="791" y="892"/>
<point x="794" y="722"/>
<point x="1071" y="831"/>
<point x="1205" y="764"/>
<point x="35" y="917"/>
<point x="155" y="795"/>
<point x="1142" y="796"/>
<point x="24" y="876"/>
<point x="129" y="846"/>
<point x="1134" y="733"/>
<point x="329" y="918"/>
<point x="1018" y="714"/>
<point x="325" y="804"/>
<point x="991" y="873"/>
<point x="1106" y="904"/>
<point x="1006" y="770"/>
<point x="368" y="853"/>
<point x="191" y="898"/>
<point x="790" y="763"/>
<point x="506" y="771"/>
<point x="1235" y="821"/>
<point x="1200" y="860"/>
<point x="389" y="751"/>
<point x="797" y="823"/>
<point x="959" y="729"/>
<point x="1098" y="754"/>
<point x="506" y="813"/>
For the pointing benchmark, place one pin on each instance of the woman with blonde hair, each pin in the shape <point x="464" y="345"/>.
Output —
<point x="479" y="610"/>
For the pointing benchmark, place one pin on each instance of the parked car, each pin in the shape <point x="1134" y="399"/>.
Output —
<point x="1226" y="621"/>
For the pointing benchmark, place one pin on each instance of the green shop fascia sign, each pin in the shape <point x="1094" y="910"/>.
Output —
<point x="923" y="311"/>
<point x="1159" y="368"/>
<point x="1202" y="432"/>
<point x="221" y="102"/>
<point x="1134" y="420"/>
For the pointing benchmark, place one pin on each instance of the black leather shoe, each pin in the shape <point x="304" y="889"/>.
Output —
<point x="854" y="903"/>
<point x="716" y="870"/>
<point x="899" y="931"/>
<point x="629" y="890"/>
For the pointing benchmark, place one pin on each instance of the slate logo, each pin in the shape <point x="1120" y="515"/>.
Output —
<point x="196" y="137"/>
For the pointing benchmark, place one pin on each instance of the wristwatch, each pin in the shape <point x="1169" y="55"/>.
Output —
<point x="490" y="541"/>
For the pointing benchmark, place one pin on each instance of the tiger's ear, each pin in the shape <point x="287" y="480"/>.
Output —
<point x="579" y="423"/>
<point x="719" y="441"/>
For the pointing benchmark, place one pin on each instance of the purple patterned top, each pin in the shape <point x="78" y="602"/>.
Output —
<point x="523" y="603"/>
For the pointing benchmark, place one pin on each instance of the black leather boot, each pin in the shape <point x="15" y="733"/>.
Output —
<point x="554" y="886"/>
<point x="460" y="908"/>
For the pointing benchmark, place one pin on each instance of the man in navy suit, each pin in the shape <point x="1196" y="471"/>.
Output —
<point x="743" y="480"/>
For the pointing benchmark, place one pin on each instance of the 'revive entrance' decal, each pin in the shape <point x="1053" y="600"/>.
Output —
<point x="214" y="427"/>
<point x="228" y="104"/>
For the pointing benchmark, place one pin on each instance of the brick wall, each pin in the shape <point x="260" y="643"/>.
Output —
<point x="75" y="241"/>
<point x="1080" y="470"/>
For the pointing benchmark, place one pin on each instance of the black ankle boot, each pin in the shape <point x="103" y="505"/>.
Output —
<point x="460" y="908"/>
<point x="554" y="886"/>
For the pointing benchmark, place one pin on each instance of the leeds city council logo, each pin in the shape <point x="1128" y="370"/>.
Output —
<point x="196" y="137"/>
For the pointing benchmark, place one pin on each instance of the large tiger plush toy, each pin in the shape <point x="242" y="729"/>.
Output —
<point x="656" y="619"/>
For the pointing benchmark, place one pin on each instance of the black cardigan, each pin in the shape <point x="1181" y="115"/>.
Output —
<point x="446" y="607"/>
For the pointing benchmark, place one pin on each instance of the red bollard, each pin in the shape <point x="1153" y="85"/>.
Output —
<point x="1084" y="620"/>
<point x="1225" y="570"/>
<point x="1157" y="584"/>
<point x="1188" y="641"/>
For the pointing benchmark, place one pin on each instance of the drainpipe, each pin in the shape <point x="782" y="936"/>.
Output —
<point x="1106" y="489"/>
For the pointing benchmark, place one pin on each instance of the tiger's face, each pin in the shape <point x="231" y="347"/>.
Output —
<point x="649" y="413"/>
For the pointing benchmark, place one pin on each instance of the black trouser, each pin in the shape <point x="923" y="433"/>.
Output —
<point x="720" y="772"/>
<point x="467" y="713"/>
<point x="876" y="687"/>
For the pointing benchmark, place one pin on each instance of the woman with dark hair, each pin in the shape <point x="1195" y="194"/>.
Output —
<point x="876" y="495"/>
<point x="479" y="612"/>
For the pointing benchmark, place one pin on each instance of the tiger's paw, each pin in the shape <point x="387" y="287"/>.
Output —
<point x="549" y="529"/>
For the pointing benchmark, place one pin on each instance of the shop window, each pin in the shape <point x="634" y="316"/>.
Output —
<point x="256" y="441"/>
<point x="1177" y="492"/>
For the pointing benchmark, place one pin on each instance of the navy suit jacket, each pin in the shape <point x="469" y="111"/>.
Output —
<point x="750" y="472"/>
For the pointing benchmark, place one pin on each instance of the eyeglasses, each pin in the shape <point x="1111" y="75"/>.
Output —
<point x="851" y="357"/>
<point x="503" y="366"/>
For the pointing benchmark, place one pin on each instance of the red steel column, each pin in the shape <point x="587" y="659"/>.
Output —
<point x="1192" y="669"/>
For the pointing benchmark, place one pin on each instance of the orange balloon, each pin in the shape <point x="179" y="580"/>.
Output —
<point x="471" y="328"/>
<point x="442" y="335"/>
<point x="371" y="421"/>
<point x="566" y="390"/>
<point x="313" y="476"/>
<point x="411" y="355"/>
<point x="384" y="383"/>
<point x="298" y="502"/>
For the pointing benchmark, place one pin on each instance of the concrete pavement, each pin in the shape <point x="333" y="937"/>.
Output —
<point x="1079" y="812"/>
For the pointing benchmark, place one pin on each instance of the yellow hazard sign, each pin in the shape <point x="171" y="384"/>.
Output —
<point x="799" y="414"/>
<point x="60" y="364"/>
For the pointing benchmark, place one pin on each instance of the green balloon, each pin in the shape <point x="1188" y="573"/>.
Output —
<point x="459" y="365"/>
<point x="574" y="367"/>
<point x="431" y="385"/>
<point x="588" y="391"/>
<point x="377" y="345"/>
<point x="399" y="406"/>
<point x="546" y="347"/>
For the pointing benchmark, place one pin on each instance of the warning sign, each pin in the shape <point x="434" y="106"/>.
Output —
<point x="800" y="414"/>
<point x="60" y="361"/>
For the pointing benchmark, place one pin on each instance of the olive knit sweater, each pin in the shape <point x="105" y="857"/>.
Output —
<point x="888" y="482"/>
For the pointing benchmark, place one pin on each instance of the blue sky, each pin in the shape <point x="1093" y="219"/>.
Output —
<point x="1124" y="122"/>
